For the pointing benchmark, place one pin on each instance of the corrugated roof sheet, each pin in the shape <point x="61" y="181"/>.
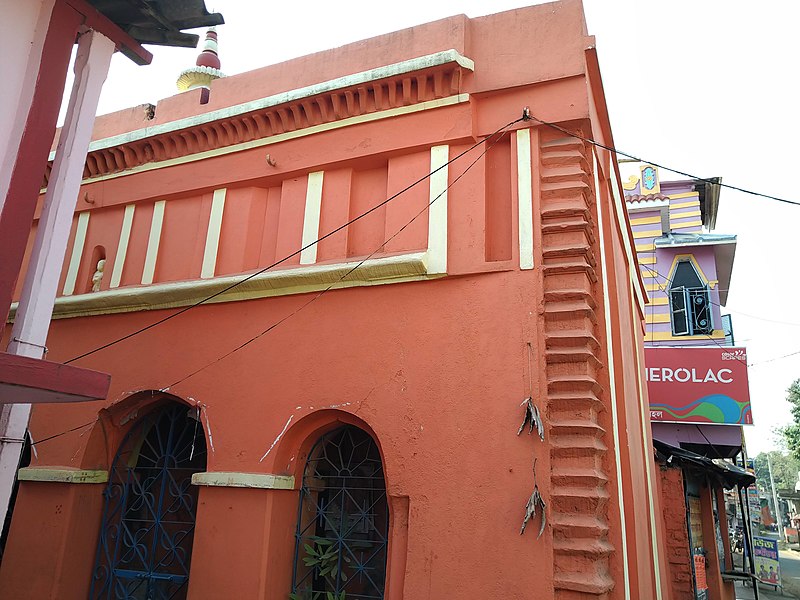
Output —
<point x="159" y="22"/>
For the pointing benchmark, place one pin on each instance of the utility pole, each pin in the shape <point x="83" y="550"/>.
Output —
<point x="778" y="511"/>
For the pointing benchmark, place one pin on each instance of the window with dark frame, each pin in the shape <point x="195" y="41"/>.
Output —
<point x="689" y="302"/>
<point x="343" y="520"/>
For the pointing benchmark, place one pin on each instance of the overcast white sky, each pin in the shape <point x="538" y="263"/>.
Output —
<point x="709" y="87"/>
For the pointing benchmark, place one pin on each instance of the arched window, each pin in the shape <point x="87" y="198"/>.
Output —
<point x="343" y="520"/>
<point x="689" y="301"/>
<point x="145" y="545"/>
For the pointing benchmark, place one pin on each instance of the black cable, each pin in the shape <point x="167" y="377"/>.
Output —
<point x="293" y="254"/>
<point x="660" y="166"/>
<point x="713" y="447"/>
<point x="52" y="437"/>
<point x="669" y="280"/>
<point x="349" y="272"/>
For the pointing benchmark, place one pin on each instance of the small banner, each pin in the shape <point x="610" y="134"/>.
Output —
<point x="765" y="553"/>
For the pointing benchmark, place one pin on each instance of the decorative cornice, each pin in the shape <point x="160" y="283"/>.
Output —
<point x="401" y="84"/>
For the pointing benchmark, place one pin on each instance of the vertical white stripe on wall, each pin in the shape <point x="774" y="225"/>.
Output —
<point x="152" y="243"/>
<point x="525" y="198"/>
<point x="311" y="218"/>
<point x="437" y="212"/>
<point x="122" y="246"/>
<point x="77" y="253"/>
<point x="612" y="380"/>
<point x="212" y="234"/>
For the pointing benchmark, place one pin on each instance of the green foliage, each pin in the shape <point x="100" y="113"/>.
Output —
<point x="784" y="470"/>
<point x="324" y="556"/>
<point x="791" y="433"/>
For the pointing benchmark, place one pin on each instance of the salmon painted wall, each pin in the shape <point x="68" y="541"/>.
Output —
<point x="430" y="351"/>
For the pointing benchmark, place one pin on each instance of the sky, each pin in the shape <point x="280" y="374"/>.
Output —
<point x="708" y="87"/>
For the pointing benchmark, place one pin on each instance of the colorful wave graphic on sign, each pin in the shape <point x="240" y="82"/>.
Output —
<point x="716" y="408"/>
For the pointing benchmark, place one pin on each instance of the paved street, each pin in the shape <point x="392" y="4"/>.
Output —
<point x="790" y="570"/>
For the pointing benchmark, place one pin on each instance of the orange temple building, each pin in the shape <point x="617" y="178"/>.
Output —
<point x="342" y="417"/>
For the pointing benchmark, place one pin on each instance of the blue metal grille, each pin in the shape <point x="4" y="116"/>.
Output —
<point x="145" y="545"/>
<point x="343" y="521"/>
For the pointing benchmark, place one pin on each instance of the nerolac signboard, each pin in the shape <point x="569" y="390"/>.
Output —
<point x="698" y="385"/>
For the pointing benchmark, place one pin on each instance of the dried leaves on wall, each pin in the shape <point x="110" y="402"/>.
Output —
<point x="532" y="418"/>
<point x="530" y="511"/>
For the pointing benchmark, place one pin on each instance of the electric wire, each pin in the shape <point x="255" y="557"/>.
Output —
<point x="289" y="256"/>
<point x="661" y="166"/>
<point x="666" y="278"/>
<point x="501" y="130"/>
<point x="54" y="436"/>
<point x="487" y="147"/>
<point x="716" y="342"/>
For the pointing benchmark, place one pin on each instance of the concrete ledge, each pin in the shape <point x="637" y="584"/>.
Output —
<point x="295" y="280"/>
<point x="55" y="475"/>
<point x="264" y="481"/>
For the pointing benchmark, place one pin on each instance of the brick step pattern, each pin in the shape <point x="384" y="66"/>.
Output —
<point x="579" y="500"/>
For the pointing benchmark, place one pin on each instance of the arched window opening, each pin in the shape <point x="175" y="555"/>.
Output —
<point x="343" y="520"/>
<point x="145" y="546"/>
<point x="689" y="301"/>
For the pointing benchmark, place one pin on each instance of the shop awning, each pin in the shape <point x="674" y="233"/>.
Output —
<point x="728" y="474"/>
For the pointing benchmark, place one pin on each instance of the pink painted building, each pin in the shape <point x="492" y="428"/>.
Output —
<point x="331" y="290"/>
<point x="687" y="268"/>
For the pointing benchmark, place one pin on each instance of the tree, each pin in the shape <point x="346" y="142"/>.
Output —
<point x="791" y="433"/>
<point x="784" y="470"/>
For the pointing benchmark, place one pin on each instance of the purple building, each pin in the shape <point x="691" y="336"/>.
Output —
<point x="687" y="273"/>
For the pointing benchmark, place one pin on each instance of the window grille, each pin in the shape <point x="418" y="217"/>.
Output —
<point x="145" y="545"/>
<point x="689" y="302"/>
<point x="343" y="520"/>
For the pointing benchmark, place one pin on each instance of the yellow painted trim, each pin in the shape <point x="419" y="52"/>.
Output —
<point x="149" y="271"/>
<point x="630" y="184"/>
<point x="686" y="225"/>
<point x="661" y="301"/>
<point x="525" y="198"/>
<point x="612" y="377"/>
<point x="673" y="216"/>
<point x="713" y="283"/>
<point x="684" y="205"/>
<point x="212" y="234"/>
<point x="660" y="336"/>
<point x="296" y="280"/>
<point x="264" y="481"/>
<point x="55" y="475"/>
<point x="674" y="265"/>
<point x="655" y="287"/>
<point x="311" y="216"/>
<point x="437" y="210"/>
<point x="657" y="318"/>
<point x="646" y="220"/>
<point x="647" y="450"/>
<point x="647" y="234"/>
<point x="77" y="253"/>
<point x="122" y="246"/>
<point x="683" y="195"/>
<point x="645" y="247"/>
<point x="376" y="116"/>
<point x="647" y="260"/>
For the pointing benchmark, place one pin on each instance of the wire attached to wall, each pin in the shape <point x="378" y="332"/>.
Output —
<point x="499" y="133"/>
<point x="661" y="166"/>
<point x="293" y="254"/>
